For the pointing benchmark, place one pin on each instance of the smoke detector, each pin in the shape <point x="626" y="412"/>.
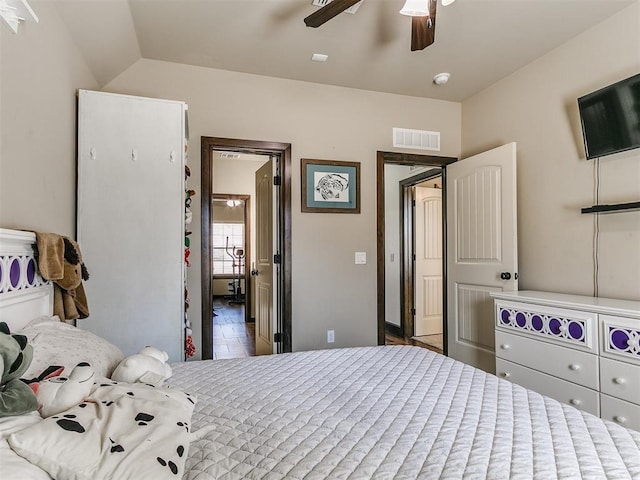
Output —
<point x="441" y="78"/>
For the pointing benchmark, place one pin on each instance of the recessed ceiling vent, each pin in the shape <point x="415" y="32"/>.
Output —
<point x="418" y="139"/>
<point x="233" y="155"/>
<point x="321" y="3"/>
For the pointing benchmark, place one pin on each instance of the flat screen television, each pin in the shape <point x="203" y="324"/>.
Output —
<point x="610" y="118"/>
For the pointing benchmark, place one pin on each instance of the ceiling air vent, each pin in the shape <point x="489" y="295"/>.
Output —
<point x="229" y="155"/>
<point x="419" y="139"/>
<point x="321" y="3"/>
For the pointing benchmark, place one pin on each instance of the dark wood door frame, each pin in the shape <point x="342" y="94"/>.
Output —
<point x="283" y="152"/>
<point x="247" y="247"/>
<point x="403" y="159"/>
<point x="407" y="250"/>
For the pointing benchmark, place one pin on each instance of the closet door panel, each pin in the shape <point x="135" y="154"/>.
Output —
<point x="131" y="219"/>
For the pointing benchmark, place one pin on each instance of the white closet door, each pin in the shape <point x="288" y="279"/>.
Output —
<point x="131" y="219"/>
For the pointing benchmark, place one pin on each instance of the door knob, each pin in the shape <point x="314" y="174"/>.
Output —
<point x="505" y="276"/>
<point x="254" y="272"/>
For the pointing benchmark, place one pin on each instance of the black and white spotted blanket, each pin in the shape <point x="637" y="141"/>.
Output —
<point x="122" y="431"/>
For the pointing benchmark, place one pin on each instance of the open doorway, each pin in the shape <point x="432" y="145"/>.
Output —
<point x="426" y="241"/>
<point x="231" y="252"/>
<point x="398" y="177"/>
<point x="237" y="286"/>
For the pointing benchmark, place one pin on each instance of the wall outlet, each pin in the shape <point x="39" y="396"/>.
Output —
<point x="331" y="336"/>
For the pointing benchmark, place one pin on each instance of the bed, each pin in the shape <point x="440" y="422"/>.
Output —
<point x="373" y="412"/>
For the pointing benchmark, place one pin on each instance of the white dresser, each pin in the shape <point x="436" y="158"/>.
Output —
<point x="583" y="351"/>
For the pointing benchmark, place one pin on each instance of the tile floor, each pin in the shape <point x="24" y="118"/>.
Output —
<point x="232" y="336"/>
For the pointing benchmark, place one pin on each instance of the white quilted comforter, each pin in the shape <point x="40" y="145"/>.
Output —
<point x="388" y="412"/>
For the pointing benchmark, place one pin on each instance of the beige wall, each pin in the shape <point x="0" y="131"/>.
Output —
<point x="41" y="71"/>
<point x="324" y="122"/>
<point x="536" y="107"/>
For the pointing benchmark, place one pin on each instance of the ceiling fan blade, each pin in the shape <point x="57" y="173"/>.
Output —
<point x="327" y="12"/>
<point x="423" y="29"/>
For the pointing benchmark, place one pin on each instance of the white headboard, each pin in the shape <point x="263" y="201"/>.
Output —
<point x="24" y="294"/>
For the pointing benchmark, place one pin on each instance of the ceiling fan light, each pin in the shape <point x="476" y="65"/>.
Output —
<point x="415" y="8"/>
<point x="447" y="2"/>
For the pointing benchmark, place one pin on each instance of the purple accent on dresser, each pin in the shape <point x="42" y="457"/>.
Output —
<point x="554" y="326"/>
<point x="575" y="330"/>
<point x="14" y="273"/>
<point x="31" y="271"/>
<point x="619" y="339"/>
<point x="565" y="329"/>
<point x="537" y="323"/>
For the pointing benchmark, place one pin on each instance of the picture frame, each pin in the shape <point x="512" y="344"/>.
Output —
<point x="330" y="186"/>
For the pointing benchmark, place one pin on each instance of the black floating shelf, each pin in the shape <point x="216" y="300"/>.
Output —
<point x="616" y="207"/>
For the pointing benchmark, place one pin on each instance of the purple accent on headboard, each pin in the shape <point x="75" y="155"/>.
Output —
<point x="14" y="273"/>
<point x="31" y="271"/>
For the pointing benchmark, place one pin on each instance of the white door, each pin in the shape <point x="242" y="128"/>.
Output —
<point x="264" y="259"/>
<point x="428" y="270"/>
<point x="130" y="219"/>
<point x="482" y="250"/>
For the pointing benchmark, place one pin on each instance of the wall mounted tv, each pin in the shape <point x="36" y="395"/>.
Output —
<point x="610" y="118"/>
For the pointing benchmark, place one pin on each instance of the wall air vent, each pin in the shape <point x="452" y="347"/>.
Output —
<point x="418" y="139"/>
<point x="232" y="155"/>
<point x="321" y="3"/>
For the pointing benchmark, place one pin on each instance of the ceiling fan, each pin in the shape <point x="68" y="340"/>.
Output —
<point x="422" y="13"/>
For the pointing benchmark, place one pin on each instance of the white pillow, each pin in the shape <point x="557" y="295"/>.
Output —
<point x="12" y="465"/>
<point x="122" y="431"/>
<point x="58" y="343"/>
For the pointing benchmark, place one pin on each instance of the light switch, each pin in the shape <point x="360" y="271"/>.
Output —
<point x="361" y="258"/>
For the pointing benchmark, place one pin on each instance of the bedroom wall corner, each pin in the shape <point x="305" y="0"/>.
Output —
<point x="537" y="108"/>
<point x="41" y="71"/>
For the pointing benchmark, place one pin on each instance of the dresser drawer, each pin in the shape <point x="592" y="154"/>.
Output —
<point x="562" y="326"/>
<point x="620" y="380"/>
<point x="569" y="364"/>
<point x="623" y="413"/>
<point x="562" y="390"/>
<point x="620" y="338"/>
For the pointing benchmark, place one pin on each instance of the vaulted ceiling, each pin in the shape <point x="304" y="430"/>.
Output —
<point x="477" y="41"/>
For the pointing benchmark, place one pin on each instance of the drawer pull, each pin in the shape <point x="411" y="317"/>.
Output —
<point x="619" y="380"/>
<point x="619" y="419"/>
<point x="574" y="367"/>
<point x="505" y="374"/>
<point x="575" y="402"/>
<point x="505" y="346"/>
